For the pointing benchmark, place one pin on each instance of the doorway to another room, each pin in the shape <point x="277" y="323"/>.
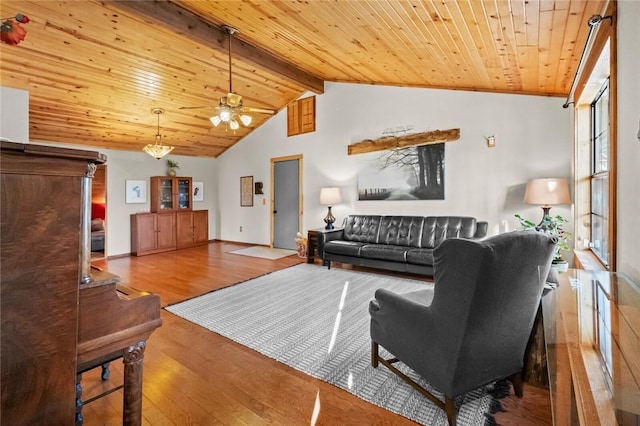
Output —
<point x="99" y="213"/>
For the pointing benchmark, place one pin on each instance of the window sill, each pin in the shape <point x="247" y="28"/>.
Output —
<point x="584" y="259"/>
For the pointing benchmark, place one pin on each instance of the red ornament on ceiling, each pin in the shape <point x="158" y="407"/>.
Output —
<point x="11" y="32"/>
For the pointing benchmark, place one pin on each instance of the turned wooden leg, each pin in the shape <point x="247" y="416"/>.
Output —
<point x="518" y="386"/>
<point x="450" y="409"/>
<point x="132" y="407"/>
<point x="374" y="354"/>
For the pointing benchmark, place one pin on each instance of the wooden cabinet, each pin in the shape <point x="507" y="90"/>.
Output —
<point x="171" y="193"/>
<point x="192" y="228"/>
<point x="153" y="233"/>
<point x="40" y="259"/>
<point x="166" y="231"/>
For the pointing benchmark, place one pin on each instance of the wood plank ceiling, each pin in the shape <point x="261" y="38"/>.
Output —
<point x="95" y="69"/>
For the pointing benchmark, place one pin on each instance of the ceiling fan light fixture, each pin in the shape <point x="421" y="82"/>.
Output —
<point x="157" y="150"/>
<point x="246" y="119"/>
<point x="215" y="120"/>
<point x="225" y="114"/>
<point x="233" y="124"/>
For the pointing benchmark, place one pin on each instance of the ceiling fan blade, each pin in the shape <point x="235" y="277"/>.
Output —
<point x="195" y="107"/>
<point x="260" y="110"/>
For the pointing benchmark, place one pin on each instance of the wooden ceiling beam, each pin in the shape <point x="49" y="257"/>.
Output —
<point x="194" y="27"/>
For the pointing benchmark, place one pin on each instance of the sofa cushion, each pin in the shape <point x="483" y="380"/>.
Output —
<point x="420" y="256"/>
<point x="363" y="228"/>
<point x="97" y="225"/>
<point x="401" y="230"/>
<point x="384" y="252"/>
<point x="345" y="248"/>
<point x="436" y="229"/>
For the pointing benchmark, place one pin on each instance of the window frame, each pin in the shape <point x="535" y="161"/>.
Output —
<point x="600" y="173"/>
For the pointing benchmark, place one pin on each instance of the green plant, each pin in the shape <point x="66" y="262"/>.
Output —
<point x="552" y="226"/>
<point x="173" y="164"/>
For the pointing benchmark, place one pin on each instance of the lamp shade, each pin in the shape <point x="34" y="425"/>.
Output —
<point x="330" y="196"/>
<point x="548" y="191"/>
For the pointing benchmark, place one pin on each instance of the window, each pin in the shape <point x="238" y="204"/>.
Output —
<point x="600" y="132"/>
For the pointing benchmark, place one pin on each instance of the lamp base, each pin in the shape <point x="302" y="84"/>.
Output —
<point x="545" y="223"/>
<point x="329" y="219"/>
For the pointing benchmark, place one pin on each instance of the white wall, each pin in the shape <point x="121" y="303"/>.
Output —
<point x="628" y="244"/>
<point x="533" y="134"/>
<point x="14" y="114"/>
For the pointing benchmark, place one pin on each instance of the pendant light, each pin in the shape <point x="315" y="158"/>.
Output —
<point x="157" y="150"/>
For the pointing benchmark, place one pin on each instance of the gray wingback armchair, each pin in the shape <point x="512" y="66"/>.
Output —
<point x="472" y="329"/>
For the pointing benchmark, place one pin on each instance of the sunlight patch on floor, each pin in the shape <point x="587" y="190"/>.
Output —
<point x="336" y="324"/>
<point x="316" y="410"/>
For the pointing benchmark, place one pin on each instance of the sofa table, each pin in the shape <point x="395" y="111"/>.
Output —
<point x="312" y="242"/>
<point x="592" y="340"/>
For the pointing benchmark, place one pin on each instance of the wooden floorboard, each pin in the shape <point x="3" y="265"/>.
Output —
<point x="193" y="376"/>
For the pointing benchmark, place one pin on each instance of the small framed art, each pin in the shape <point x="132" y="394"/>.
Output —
<point x="198" y="191"/>
<point x="136" y="191"/>
<point x="246" y="191"/>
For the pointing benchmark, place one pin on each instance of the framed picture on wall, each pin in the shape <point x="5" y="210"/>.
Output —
<point x="246" y="191"/>
<point x="198" y="191"/>
<point x="136" y="191"/>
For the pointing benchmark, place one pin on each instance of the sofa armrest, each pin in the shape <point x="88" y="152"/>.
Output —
<point x="326" y="236"/>
<point x="481" y="230"/>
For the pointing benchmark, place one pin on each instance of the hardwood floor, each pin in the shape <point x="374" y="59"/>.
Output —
<point x="194" y="376"/>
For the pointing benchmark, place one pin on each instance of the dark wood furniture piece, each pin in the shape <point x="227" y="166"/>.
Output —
<point x="40" y="261"/>
<point x="592" y="340"/>
<point x="49" y="330"/>
<point x="171" y="193"/>
<point x="312" y="242"/>
<point x="115" y="321"/>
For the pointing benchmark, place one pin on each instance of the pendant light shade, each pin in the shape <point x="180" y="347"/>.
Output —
<point x="157" y="150"/>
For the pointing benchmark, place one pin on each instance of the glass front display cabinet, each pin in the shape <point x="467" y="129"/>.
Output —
<point x="171" y="193"/>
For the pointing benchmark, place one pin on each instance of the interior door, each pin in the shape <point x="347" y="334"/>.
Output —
<point x="286" y="202"/>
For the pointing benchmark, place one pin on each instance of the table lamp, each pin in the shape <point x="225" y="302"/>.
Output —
<point x="330" y="197"/>
<point x="547" y="192"/>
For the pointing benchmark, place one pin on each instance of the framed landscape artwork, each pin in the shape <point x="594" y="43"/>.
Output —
<point x="414" y="173"/>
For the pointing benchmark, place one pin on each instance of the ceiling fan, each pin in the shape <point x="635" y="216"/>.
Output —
<point x="230" y="109"/>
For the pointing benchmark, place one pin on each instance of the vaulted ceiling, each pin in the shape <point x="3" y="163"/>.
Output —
<point x="96" y="69"/>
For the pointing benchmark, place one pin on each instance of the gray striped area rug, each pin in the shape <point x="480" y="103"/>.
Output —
<point x="317" y="321"/>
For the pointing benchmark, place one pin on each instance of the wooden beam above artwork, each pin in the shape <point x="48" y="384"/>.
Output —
<point x="415" y="139"/>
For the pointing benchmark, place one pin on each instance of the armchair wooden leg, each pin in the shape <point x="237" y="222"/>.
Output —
<point x="518" y="386"/>
<point x="374" y="354"/>
<point x="450" y="409"/>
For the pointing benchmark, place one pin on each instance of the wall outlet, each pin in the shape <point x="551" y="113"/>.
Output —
<point x="241" y="229"/>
